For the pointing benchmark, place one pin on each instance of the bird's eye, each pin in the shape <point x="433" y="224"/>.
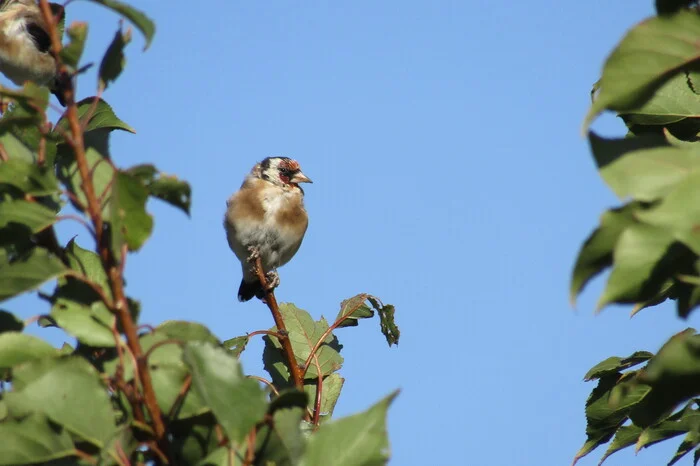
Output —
<point x="285" y="171"/>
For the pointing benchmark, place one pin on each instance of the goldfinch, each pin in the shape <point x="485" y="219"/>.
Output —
<point x="25" y="45"/>
<point x="266" y="217"/>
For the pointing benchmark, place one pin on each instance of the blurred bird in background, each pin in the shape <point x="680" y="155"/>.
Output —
<point x="25" y="44"/>
<point x="266" y="218"/>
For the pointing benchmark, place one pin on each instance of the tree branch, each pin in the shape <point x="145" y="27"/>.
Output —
<point x="297" y="375"/>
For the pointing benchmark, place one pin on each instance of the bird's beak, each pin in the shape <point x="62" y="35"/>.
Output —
<point x="299" y="177"/>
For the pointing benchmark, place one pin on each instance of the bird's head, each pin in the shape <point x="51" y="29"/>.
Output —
<point x="281" y="171"/>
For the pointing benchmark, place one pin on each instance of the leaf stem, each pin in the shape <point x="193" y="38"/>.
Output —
<point x="320" y="341"/>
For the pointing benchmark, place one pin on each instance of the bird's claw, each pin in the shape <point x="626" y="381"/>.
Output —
<point x="253" y="253"/>
<point x="273" y="280"/>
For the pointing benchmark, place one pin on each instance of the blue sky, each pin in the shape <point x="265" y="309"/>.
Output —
<point x="450" y="179"/>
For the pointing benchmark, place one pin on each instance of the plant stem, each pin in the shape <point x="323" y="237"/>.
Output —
<point x="283" y="337"/>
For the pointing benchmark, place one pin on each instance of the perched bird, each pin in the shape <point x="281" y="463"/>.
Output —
<point x="266" y="217"/>
<point x="25" y="45"/>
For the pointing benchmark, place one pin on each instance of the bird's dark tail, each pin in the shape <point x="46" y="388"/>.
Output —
<point x="247" y="290"/>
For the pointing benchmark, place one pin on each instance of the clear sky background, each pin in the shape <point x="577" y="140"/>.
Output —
<point x="450" y="179"/>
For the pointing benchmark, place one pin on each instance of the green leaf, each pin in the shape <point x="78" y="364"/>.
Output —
<point x="275" y="363"/>
<point x="677" y="358"/>
<point x="28" y="177"/>
<point x="674" y="376"/>
<point x="113" y="61"/>
<point x="386" y="321"/>
<point x="10" y="322"/>
<point x="187" y="331"/>
<point x="99" y="167"/>
<point x="607" y="408"/>
<point x="688" y="444"/>
<point x="644" y="259"/>
<point x="636" y="168"/>
<point x="672" y="102"/>
<point x="332" y="385"/>
<point x="193" y="439"/>
<point x="121" y="444"/>
<point x="353" y="309"/>
<point x="304" y="333"/>
<point x="168" y="382"/>
<point x="167" y="188"/>
<point x="615" y="364"/>
<point x="624" y="437"/>
<point x="356" y="440"/>
<point x="95" y="115"/>
<point x="288" y="398"/>
<point x="71" y="53"/>
<point x="130" y="222"/>
<point x="597" y="251"/>
<point x="236" y="345"/>
<point x="138" y="18"/>
<point x="32" y="440"/>
<point x="283" y="444"/>
<point x="84" y="408"/>
<point x="679" y="423"/>
<point x="87" y="263"/>
<point x="28" y="272"/>
<point x="679" y="212"/>
<point x="237" y="402"/>
<point x="15" y="148"/>
<point x="32" y="214"/>
<point x="649" y="54"/>
<point x="17" y="348"/>
<point x="91" y="325"/>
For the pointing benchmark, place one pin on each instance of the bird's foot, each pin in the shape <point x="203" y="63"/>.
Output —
<point x="273" y="280"/>
<point x="253" y="254"/>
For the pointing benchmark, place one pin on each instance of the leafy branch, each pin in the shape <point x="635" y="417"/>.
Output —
<point x="112" y="266"/>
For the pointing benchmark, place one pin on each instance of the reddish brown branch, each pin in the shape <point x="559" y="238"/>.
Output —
<point x="265" y="332"/>
<point x="109" y="261"/>
<point x="297" y="375"/>
<point x="266" y="382"/>
<point x="180" y="399"/>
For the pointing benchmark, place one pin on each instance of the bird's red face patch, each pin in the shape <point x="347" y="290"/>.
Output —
<point x="286" y="168"/>
<point x="291" y="165"/>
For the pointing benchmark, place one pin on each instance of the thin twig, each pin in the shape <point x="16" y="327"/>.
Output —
<point x="181" y="396"/>
<point x="281" y="327"/>
<point x="3" y="153"/>
<point x="76" y="201"/>
<point x="85" y="457"/>
<point x="95" y="287"/>
<point x="250" y="451"/>
<point x="78" y="219"/>
<point x="319" y="391"/>
<point x="321" y="340"/>
<point x="265" y="332"/>
<point x="266" y="382"/>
